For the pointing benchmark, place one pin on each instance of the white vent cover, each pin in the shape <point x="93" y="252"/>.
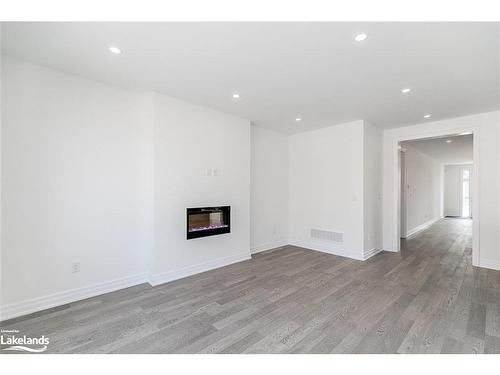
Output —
<point x="327" y="235"/>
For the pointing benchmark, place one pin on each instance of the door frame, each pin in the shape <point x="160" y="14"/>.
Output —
<point x="403" y="198"/>
<point x="396" y="219"/>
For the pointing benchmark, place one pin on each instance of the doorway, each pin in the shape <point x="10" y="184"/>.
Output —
<point x="465" y="199"/>
<point x="416" y="211"/>
<point x="457" y="191"/>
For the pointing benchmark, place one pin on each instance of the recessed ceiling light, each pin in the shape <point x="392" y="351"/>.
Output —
<point x="360" y="37"/>
<point x="298" y="119"/>
<point x="449" y="141"/>
<point x="465" y="133"/>
<point x="427" y="116"/>
<point x="405" y="91"/>
<point x="236" y="96"/>
<point x="115" y="50"/>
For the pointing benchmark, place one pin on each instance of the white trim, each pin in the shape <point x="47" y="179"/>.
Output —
<point x="329" y="249"/>
<point x="367" y="254"/>
<point x="421" y="227"/>
<point x="165" y="277"/>
<point x="474" y="185"/>
<point x="491" y="264"/>
<point x="61" y="298"/>
<point x="403" y="199"/>
<point x="268" y="246"/>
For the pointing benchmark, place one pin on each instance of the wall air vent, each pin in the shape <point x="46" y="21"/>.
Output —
<point x="327" y="235"/>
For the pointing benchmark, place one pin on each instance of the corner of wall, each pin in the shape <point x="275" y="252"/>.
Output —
<point x="372" y="189"/>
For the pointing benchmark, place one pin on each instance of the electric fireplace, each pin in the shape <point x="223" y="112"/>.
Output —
<point x="208" y="221"/>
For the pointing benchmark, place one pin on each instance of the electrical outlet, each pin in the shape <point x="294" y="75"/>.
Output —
<point x="75" y="267"/>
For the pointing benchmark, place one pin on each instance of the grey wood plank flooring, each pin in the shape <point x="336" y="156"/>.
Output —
<point x="427" y="299"/>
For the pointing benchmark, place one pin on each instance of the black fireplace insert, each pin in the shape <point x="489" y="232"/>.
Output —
<point x="208" y="221"/>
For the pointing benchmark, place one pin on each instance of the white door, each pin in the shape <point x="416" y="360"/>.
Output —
<point x="465" y="193"/>
<point x="457" y="191"/>
<point x="452" y="189"/>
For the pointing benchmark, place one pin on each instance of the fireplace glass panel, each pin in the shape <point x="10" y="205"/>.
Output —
<point x="207" y="221"/>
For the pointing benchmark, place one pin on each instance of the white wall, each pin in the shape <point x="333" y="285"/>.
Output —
<point x="75" y="183"/>
<point x="269" y="189"/>
<point x="1" y="181"/>
<point x="423" y="189"/>
<point x="486" y="152"/>
<point x="453" y="189"/>
<point x="103" y="176"/>
<point x="336" y="186"/>
<point x="326" y="188"/>
<point x="372" y="151"/>
<point x="190" y="139"/>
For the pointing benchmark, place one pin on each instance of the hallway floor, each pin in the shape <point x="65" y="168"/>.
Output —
<point x="428" y="299"/>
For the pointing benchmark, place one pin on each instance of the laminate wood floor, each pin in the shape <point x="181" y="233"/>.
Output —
<point x="428" y="299"/>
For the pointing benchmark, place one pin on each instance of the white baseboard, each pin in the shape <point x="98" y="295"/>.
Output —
<point x="268" y="246"/>
<point x="491" y="264"/>
<point x="390" y="250"/>
<point x="57" y="299"/>
<point x="165" y="277"/>
<point x="369" y="253"/>
<point x="324" y="248"/>
<point x="421" y="227"/>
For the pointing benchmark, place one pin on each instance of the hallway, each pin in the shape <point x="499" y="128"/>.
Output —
<point x="462" y="309"/>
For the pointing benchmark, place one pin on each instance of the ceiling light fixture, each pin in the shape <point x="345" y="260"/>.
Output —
<point x="449" y="141"/>
<point x="298" y="119"/>
<point x="360" y="37"/>
<point x="427" y="116"/>
<point x="115" y="50"/>
<point x="236" y="96"/>
<point x="405" y="91"/>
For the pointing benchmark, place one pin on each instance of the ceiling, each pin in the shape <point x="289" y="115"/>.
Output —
<point x="282" y="71"/>
<point x="459" y="151"/>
